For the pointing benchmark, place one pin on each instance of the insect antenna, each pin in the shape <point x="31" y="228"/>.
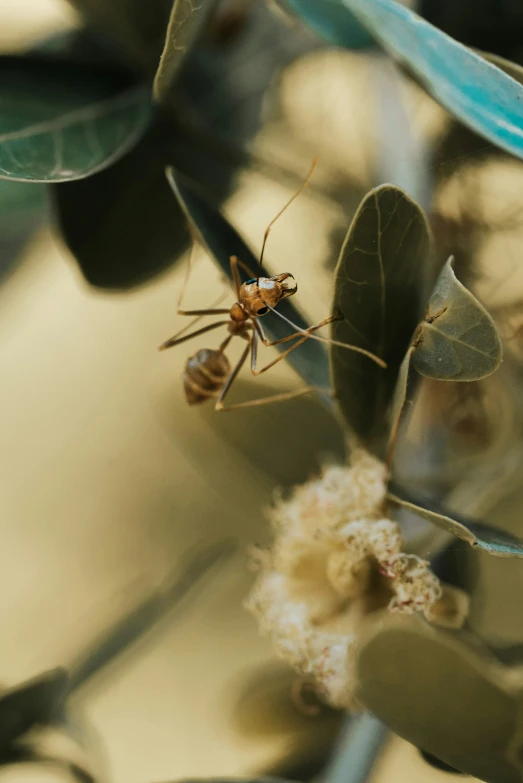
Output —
<point x="329" y="340"/>
<point x="280" y="213"/>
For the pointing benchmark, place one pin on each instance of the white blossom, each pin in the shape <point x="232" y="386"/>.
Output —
<point x="335" y="559"/>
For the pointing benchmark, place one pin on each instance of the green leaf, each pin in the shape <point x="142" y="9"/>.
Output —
<point x="37" y="701"/>
<point x="477" y="534"/>
<point x="188" y="17"/>
<point x="379" y="289"/>
<point x="458" y="339"/>
<point x="222" y="241"/>
<point x="398" y="401"/>
<point x="145" y="233"/>
<point x="442" y="692"/>
<point x="62" y="121"/>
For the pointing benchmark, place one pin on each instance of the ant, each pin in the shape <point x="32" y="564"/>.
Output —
<point x="208" y="372"/>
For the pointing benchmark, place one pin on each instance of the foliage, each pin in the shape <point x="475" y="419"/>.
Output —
<point x="96" y="119"/>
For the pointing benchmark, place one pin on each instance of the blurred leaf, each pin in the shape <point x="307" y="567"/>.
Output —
<point x="121" y="224"/>
<point x="138" y="26"/>
<point x="440" y="693"/>
<point x="37" y="701"/>
<point x="26" y="754"/>
<point x="477" y="534"/>
<point x="188" y="17"/>
<point x="438" y="764"/>
<point x="62" y="121"/>
<point x="380" y="281"/>
<point x="332" y="22"/>
<point x="465" y="84"/>
<point x="458" y="339"/>
<point x="221" y="241"/>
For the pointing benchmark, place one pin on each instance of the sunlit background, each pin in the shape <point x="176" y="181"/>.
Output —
<point x="110" y="482"/>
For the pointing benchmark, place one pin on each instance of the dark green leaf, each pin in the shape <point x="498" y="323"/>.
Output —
<point x="222" y="241"/>
<point x="62" y="121"/>
<point x="379" y="289"/>
<point x="458" y="339"/>
<point x="477" y="534"/>
<point x="188" y="17"/>
<point x="442" y="692"/>
<point x="38" y="701"/>
<point x="122" y="224"/>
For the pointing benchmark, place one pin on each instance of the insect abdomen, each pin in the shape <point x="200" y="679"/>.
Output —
<point x="204" y="375"/>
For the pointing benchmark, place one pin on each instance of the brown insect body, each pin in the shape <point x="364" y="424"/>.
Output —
<point x="204" y="375"/>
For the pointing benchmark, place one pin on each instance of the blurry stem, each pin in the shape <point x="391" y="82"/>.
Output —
<point x="359" y="746"/>
<point x="141" y="619"/>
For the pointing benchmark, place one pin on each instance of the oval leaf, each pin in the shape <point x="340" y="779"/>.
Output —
<point x="458" y="339"/>
<point x="379" y="291"/>
<point x="187" y="20"/>
<point x="469" y="87"/>
<point x="443" y="695"/>
<point x="477" y="534"/>
<point x="38" y="701"/>
<point x="221" y="241"/>
<point x="62" y="121"/>
<point x="145" y="234"/>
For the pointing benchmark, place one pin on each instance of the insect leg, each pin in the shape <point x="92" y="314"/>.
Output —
<point x="303" y="334"/>
<point x="207" y="311"/>
<point x="177" y="340"/>
<point x="261" y="400"/>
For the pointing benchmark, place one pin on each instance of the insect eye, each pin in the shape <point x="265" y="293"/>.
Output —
<point x="252" y="280"/>
<point x="262" y="311"/>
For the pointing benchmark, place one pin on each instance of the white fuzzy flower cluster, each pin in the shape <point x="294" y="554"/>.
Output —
<point x="335" y="559"/>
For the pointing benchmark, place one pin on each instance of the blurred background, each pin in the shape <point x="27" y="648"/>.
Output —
<point x="111" y="482"/>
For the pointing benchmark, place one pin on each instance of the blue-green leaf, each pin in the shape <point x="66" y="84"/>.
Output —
<point x="332" y="23"/>
<point x="469" y="87"/>
<point x="62" y="121"/>
<point x="222" y="241"/>
<point x="477" y="534"/>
